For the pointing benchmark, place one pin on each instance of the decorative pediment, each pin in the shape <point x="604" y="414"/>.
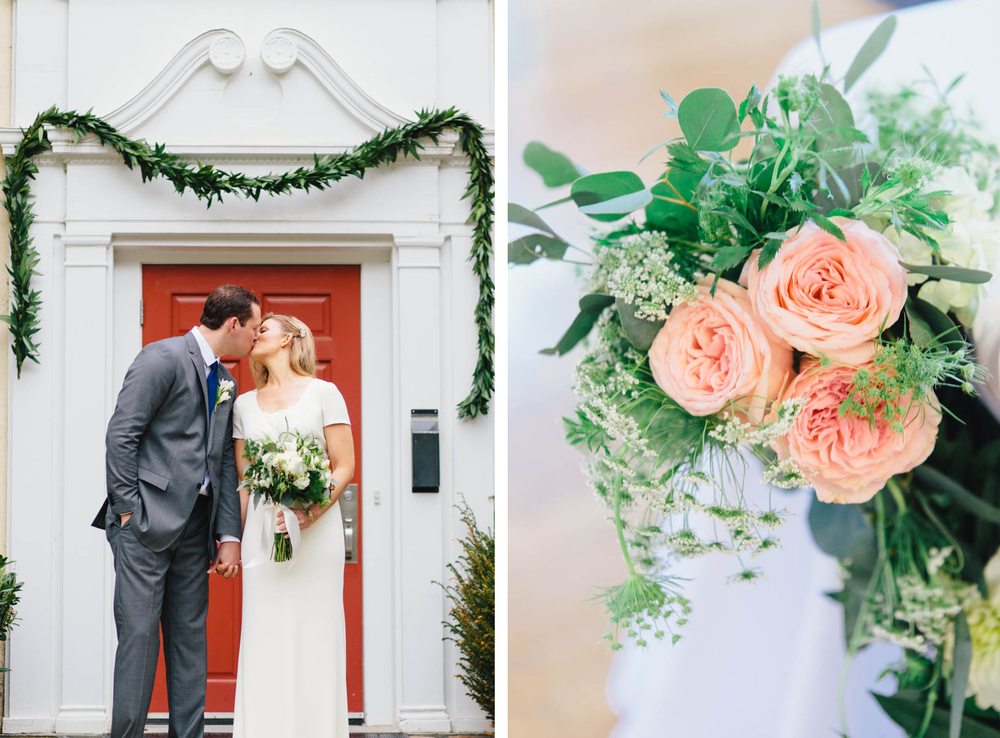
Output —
<point x="290" y="91"/>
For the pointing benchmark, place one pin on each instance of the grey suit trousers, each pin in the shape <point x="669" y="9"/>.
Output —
<point x="166" y="588"/>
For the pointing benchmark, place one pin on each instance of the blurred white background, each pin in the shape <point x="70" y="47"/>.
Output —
<point x="765" y="660"/>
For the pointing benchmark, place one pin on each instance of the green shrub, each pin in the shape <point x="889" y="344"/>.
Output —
<point x="9" y="597"/>
<point x="472" y="625"/>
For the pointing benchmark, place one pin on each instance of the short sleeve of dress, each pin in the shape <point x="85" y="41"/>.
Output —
<point x="333" y="405"/>
<point x="238" y="417"/>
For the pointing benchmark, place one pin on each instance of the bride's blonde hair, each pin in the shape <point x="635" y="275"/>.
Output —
<point x="303" y="358"/>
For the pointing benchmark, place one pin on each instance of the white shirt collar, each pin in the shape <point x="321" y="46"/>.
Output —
<point x="206" y="351"/>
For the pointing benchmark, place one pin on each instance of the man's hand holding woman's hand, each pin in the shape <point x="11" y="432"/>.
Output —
<point x="227" y="563"/>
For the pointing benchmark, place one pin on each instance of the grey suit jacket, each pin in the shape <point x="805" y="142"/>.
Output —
<point x="157" y="449"/>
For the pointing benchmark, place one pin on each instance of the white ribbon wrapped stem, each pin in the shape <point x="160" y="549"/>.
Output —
<point x="258" y="538"/>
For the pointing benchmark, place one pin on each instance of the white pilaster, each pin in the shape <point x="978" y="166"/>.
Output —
<point x="421" y="602"/>
<point x="34" y="537"/>
<point x="82" y="706"/>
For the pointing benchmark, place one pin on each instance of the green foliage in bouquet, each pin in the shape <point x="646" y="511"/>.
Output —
<point x="9" y="598"/>
<point x="210" y="184"/>
<point x="472" y="625"/>
<point x="292" y="470"/>
<point x="920" y="558"/>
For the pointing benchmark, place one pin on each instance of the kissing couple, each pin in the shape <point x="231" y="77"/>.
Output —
<point x="176" y="512"/>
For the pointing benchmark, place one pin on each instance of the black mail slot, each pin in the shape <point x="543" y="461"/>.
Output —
<point x="426" y="450"/>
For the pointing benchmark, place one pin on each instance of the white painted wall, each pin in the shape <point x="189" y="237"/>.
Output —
<point x="148" y="67"/>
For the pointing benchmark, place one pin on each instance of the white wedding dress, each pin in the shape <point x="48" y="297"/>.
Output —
<point x="292" y="676"/>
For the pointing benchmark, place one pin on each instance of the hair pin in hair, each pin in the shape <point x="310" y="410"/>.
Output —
<point x="302" y="332"/>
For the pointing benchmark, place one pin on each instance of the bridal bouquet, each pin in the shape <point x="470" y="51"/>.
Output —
<point x="806" y="309"/>
<point x="290" y="471"/>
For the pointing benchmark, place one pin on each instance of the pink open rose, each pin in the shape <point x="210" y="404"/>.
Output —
<point x="714" y="351"/>
<point x="824" y="296"/>
<point x="847" y="458"/>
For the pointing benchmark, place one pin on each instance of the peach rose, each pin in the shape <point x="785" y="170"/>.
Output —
<point x="824" y="296"/>
<point x="714" y="351"/>
<point x="846" y="458"/>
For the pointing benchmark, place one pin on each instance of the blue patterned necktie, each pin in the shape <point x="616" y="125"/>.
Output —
<point x="213" y="387"/>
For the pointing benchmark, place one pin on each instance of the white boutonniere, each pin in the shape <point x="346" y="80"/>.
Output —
<point x="225" y="391"/>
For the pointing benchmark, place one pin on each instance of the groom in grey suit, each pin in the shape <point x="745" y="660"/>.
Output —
<point x="171" y="495"/>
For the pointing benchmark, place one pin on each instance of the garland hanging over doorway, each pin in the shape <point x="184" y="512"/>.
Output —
<point x="210" y="184"/>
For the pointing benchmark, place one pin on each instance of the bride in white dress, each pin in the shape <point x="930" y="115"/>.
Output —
<point x="292" y="675"/>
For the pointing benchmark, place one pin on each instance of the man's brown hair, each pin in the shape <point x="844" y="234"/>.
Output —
<point x="228" y="301"/>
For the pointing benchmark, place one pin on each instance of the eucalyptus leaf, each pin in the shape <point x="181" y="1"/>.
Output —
<point x="640" y="332"/>
<point x="556" y="168"/>
<point x="560" y="201"/>
<point x="934" y="480"/>
<point x="619" y="205"/>
<point x="674" y="217"/>
<point x="860" y="564"/>
<point x="941" y="327"/>
<point x="591" y="307"/>
<point x="815" y="21"/>
<point x="521" y="214"/>
<point x="961" y="662"/>
<point x="671" y="105"/>
<point x="707" y="117"/>
<point x="529" y="249"/>
<point x="600" y="188"/>
<point x="837" y="529"/>
<point x="909" y="715"/>
<point x="953" y="273"/>
<point x="870" y="51"/>
<point x="832" y="120"/>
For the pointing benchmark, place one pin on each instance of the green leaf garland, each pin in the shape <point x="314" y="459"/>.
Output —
<point x="210" y="184"/>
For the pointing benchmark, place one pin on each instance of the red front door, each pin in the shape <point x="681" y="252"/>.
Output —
<point x="328" y="300"/>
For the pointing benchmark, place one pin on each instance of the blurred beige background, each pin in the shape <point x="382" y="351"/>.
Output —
<point x="584" y="78"/>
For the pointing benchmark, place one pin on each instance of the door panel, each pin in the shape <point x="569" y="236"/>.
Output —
<point x="328" y="300"/>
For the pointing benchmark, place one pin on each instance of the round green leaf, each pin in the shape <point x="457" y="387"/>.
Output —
<point x="672" y="216"/>
<point x="600" y="188"/>
<point x="837" y="529"/>
<point x="556" y="169"/>
<point x="831" y="116"/>
<point x="590" y="310"/>
<point x="707" y="117"/>
<point x="520" y="214"/>
<point x="535" y="246"/>
<point x="640" y="332"/>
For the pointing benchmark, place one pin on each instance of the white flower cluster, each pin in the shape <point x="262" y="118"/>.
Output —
<point x="295" y="463"/>
<point x="733" y="432"/>
<point x="604" y="413"/>
<point x="686" y="544"/>
<point x="931" y="607"/>
<point x="784" y="474"/>
<point x="640" y="273"/>
<point x="972" y="242"/>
